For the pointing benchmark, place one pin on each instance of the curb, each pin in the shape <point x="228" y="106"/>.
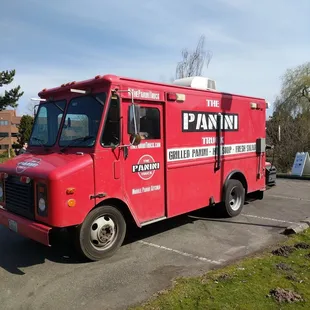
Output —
<point x="293" y="177"/>
<point x="298" y="227"/>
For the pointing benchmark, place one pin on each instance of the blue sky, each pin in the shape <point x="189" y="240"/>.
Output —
<point x="52" y="42"/>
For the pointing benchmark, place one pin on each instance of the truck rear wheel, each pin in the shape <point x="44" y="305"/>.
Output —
<point x="102" y="233"/>
<point x="234" y="195"/>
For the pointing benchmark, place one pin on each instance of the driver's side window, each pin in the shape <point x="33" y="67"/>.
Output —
<point x="111" y="131"/>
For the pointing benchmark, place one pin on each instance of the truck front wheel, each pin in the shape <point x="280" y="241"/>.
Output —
<point x="102" y="233"/>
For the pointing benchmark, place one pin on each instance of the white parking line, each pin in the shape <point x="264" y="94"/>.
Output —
<point x="182" y="253"/>
<point x="287" y="197"/>
<point x="268" y="218"/>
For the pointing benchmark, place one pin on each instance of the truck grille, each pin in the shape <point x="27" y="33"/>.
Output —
<point x="19" y="197"/>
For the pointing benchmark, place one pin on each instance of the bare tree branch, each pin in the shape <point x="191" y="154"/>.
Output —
<point x="193" y="62"/>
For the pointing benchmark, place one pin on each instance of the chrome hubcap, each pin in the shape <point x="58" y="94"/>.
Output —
<point x="235" y="199"/>
<point x="103" y="232"/>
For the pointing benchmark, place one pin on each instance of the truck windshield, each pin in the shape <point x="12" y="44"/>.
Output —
<point x="82" y="121"/>
<point x="46" y="126"/>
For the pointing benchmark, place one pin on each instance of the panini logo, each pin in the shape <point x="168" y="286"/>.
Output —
<point x="146" y="167"/>
<point x="205" y="121"/>
<point x="24" y="165"/>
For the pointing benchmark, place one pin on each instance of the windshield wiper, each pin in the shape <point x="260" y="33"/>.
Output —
<point x="79" y="139"/>
<point x="55" y="104"/>
<point x="98" y="100"/>
<point x="39" y="140"/>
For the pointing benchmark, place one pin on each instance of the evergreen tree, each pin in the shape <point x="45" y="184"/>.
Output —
<point x="25" y="128"/>
<point x="12" y="96"/>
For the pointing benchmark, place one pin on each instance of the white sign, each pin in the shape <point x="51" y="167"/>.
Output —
<point x="190" y="153"/>
<point x="301" y="164"/>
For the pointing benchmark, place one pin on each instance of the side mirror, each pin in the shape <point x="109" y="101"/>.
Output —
<point x="35" y="110"/>
<point x="134" y="119"/>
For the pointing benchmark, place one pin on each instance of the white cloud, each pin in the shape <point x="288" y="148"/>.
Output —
<point x="252" y="43"/>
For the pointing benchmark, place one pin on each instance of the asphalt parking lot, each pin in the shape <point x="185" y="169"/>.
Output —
<point x="35" y="277"/>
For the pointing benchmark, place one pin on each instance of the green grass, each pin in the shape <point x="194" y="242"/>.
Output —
<point x="243" y="285"/>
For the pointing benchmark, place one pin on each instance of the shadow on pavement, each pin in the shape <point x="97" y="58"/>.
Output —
<point x="17" y="252"/>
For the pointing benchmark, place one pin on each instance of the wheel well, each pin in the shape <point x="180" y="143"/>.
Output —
<point x="122" y="207"/>
<point x="237" y="175"/>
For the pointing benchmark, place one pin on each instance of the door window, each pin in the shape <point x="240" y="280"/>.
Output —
<point x="149" y="123"/>
<point x="111" y="133"/>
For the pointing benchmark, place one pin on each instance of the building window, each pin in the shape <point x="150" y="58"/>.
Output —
<point x="4" y="134"/>
<point x="4" y="123"/>
<point x="14" y="134"/>
<point x="4" y="146"/>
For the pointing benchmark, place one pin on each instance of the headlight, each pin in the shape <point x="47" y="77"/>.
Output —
<point x="42" y="201"/>
<point x="1" y="192"/>
<point x="42" y="205"/>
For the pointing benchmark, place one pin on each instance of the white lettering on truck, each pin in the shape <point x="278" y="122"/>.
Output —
<point x="211" y="140"/>
<point x="213" y="103"/>
<point x="204" y="121"/>
<point x="137" y="93"/>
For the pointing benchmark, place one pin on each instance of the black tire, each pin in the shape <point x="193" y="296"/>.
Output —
<point x="98" y="227"/>
<point x="234" y="195"/>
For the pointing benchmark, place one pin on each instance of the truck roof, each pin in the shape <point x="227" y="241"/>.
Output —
<point x="110" y="78"/>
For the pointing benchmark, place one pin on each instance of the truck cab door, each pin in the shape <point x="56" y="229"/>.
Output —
<point x="144" y="165"/>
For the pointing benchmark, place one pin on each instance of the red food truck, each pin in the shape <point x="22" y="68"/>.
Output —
<point x="111" y="149"/>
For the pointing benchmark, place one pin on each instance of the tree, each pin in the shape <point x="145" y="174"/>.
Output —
<point x="193" y="61"/>
<point x="295" y="93"/>
<point x="25" y="128"/>
<point x="12" y="96"/>
<point x="292" y="114"/>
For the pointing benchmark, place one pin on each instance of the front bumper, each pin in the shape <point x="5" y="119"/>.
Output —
<point x="26" y="228"/>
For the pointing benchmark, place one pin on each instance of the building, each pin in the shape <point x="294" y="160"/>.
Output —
<point x="9" y="122"/>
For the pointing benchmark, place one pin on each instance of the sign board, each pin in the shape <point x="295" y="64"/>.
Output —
<point x="301" y="164"/>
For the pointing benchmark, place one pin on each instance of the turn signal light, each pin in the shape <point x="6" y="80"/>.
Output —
<point x="4" y="175"/>
<point x="71" y="203"/>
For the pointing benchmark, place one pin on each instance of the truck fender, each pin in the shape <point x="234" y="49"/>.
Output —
<point x="237" y="175"/>
<point x="122" y="207"/>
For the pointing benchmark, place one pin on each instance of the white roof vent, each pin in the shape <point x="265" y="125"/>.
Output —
<point x="198" y="82"/>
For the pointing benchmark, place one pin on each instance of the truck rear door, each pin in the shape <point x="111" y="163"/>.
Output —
<point x="144" y="167"/>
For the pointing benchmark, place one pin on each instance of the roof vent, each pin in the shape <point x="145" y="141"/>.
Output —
<point x="198" y="82"/>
